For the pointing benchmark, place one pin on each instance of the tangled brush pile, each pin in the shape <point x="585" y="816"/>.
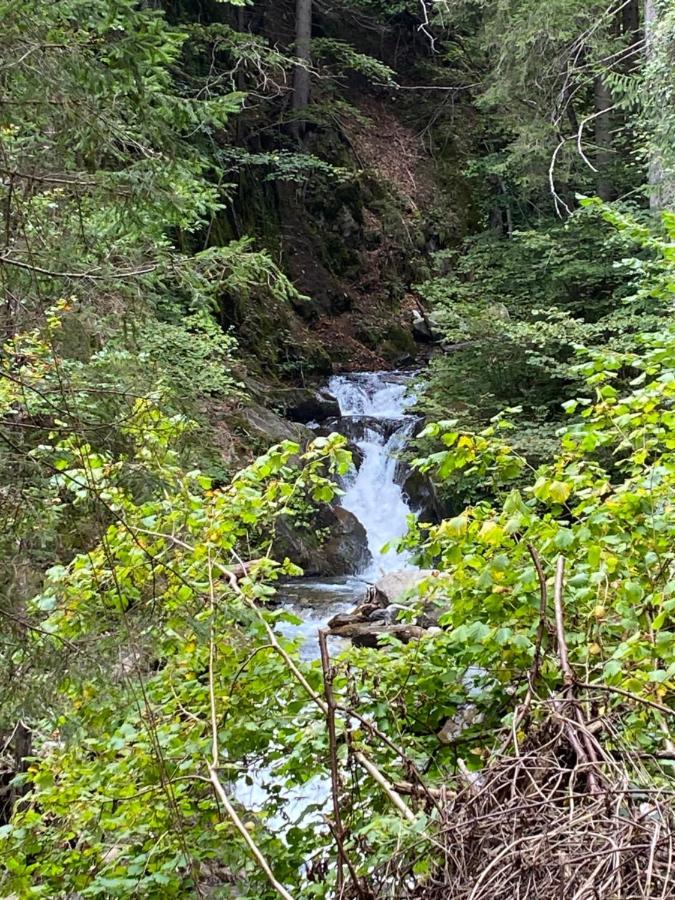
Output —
<point x="545" y="823"/>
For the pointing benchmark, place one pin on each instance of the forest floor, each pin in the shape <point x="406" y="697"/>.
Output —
<point x="374" y="331"/>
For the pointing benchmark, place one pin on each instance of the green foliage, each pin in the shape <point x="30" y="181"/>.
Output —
<point x="285" y="165"/>
<point x="109" y="165"/>
<point x="516" y="311"/>
<point x="343" y="56"/>
<point x="109" y="186"/>
<point x="603" y="505"/>
<point x="135" y="617"/>
<point x="138" y="606"/>
<point x="195" y="356"/>
<point x="612" y="521"/>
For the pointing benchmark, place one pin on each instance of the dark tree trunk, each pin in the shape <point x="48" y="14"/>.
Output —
<point x="603" y="140"/>
<point x="630" y="16"/>
<point x="303" y="51"/>
<point x="23" y="748"/>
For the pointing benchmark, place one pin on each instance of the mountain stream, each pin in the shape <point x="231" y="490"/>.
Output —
<point x="373" y="416"/>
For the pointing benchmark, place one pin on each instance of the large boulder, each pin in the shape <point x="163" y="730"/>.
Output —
<point x="393" y="586"/>
<point x="346" y="548"/>
<point x="268" y="428"/>
<point x="424" y="329"/>
<point x="358" y="428"/>
<point x="420" y="493"/>
<point x="305" y="404"/>
<point x="336" y="544"/>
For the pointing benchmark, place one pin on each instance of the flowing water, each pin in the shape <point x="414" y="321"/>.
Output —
<point x="372" y="407"/>
<point x="373" y="417"/>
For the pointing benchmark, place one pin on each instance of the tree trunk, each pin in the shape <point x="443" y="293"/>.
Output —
<point x="654" y="164"/>
<point x="631" y="19"/>
<point x="241" y="75"/>
<point x="661" y="175"/>
<point x="301" y="81"/>
<point x="603" y="140"/>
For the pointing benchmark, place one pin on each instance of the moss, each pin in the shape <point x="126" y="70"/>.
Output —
<point x="368" y="334"/>
<point x="401" y="339"/>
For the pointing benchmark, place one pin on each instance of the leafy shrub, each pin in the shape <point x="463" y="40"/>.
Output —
<point x="514" y="312"/>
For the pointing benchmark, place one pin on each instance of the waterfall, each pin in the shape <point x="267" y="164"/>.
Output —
<point x="372" y="407"/>
<point x="373" y="417"/>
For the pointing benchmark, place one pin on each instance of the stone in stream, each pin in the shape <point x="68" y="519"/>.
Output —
<point x="392" y="586"/>
<point x="420" y="492"/>
<point x="368" y="634"/>
<point x="359" y="428"/>
<point x="347" y="544"/>
<point x="376" y="615"/>
<point x="305" y="404"/>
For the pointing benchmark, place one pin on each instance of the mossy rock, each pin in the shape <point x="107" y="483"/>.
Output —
<point x="266" y="428"/>
<point x="401" y="339"/>
<point x="369" y="335"/>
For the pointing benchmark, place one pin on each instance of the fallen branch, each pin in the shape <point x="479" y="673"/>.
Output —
<point x="568" y="674"/>
<point x="543" y="604"/>
<point x="38" y="270"/>
<point x="386" y="786"/>
<point x="338" y="830"/>
<point x="583" y="747"/>
<point x="243" y="831"/>
<point x="628" y="695"/>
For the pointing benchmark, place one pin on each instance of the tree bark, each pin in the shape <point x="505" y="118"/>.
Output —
<point x="631" y="18"/>
<point x="303" y="51"/>
<point x="603" y="140"/>
<point x="661" y="176"/>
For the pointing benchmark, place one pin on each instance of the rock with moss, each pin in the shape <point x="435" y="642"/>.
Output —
<point x="305" y="404"/>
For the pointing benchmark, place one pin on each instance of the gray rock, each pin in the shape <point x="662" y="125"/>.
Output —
<point x="499" y="311"/>
<point x="270" y="428"/>
<point x="424" y="329"/>
<point x="379" y="615"/>
<point x="356" y="428"/>
<point x="394" y="585"/>
<point x="346" y="550"/>
<point x="391" y="591"/>
<point x="421" y="493"/>
<point x="343" y="552"/>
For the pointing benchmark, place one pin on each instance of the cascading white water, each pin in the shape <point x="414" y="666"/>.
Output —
<point x="375" y="404"/>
